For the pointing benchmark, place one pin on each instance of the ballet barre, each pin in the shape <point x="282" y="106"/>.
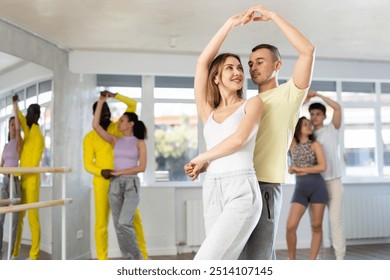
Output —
<point x="34" y="205"/>
<point x="9" y="201"/>
<point x="29" y="170"/>
<point x="18" y="171"/>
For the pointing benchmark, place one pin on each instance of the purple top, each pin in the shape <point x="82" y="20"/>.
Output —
<point x="126" y="153"/>
<point x="10" y="154"/>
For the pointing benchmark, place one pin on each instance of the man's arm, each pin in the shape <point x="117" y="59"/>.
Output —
<point x="89" y="157"/>
<point x="130" y="102"/>
<point x="203" y="63"/>
<point x="303" y="68"/>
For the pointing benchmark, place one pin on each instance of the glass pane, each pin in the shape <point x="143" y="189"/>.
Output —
<point x="176" y="139"/>
<point x="44" y="86"/>
<point x="45" y="97"/>
<point x="2" y="107"/>
<point x="174" y="93"/>
<point x="385" y="92"/>
<point x="8" y="102"/>
<point x="46" y="161"/>
<point x="31" y="91"/>
<point x="385" y="115"/>
<point x="359" y="142"/>
<point x="358" y="92"/>
<point x="4" y="133"/>
<point x="31" y="100"/>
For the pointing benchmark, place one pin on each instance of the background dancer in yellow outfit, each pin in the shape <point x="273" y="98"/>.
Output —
<point x="30" y="183"/>
<point x="99" y="161"/>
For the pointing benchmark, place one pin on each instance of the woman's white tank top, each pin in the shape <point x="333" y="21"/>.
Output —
<point x="214" y="133"/>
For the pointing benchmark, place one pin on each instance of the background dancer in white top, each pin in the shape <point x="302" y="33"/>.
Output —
<point x="328" y="137"/>
<point x="231" y="196"/>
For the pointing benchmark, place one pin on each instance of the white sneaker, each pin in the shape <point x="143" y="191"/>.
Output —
<point x="14" y="257"/>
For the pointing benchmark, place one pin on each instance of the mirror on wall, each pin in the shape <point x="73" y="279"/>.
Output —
<point x="33" y="84"/>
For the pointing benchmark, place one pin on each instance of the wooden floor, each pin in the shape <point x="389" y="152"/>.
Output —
<point x="355" y="252"/>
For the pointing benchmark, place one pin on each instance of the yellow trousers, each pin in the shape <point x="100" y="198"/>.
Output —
<point x="30" y="186"/>
<point x="102" y="214"/>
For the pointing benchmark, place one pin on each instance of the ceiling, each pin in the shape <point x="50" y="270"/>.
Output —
<point x="347" y="29"/>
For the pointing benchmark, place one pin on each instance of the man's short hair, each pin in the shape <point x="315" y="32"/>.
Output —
<point x="274" y="50"/>
<point x="317" y="106"/>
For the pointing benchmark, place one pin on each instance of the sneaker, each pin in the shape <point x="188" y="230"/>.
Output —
<point x="14" y="257"/>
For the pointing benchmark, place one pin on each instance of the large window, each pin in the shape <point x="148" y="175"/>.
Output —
<point x="365" y="131"/>
<point x="172" y="128"/>
<point x="39" y="92"/>
<point x="176" y="139"/>
<point x="176" y="127"/>
<point x="360" y="142"/>
<point x="385" y="116"/>
<point x="167" y="106"/>
<point x="358" y="92"/>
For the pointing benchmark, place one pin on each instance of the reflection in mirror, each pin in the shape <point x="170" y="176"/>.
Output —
<point x="33" y="84"/>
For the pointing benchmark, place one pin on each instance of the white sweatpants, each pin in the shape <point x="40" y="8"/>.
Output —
<point x="232" y="207"/>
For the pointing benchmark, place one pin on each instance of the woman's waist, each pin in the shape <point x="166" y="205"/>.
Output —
<point x="227" y="174"/>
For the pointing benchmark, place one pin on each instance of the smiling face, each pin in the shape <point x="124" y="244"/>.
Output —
<point x="303" y="129"/>
<point x="306" y="128"/>
<point x="231" y="75"/>
<point x="263" y="66"/>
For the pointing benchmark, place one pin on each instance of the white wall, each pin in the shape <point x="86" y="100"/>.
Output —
<point x="29" y="72"/>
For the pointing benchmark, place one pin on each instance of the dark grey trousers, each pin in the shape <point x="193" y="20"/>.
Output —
<point x="5" y="194"/>
<point x="260" y="245"/>
<point x="124" y="200"/>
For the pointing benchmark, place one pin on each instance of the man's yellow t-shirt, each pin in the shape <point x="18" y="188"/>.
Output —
<point x="280" y="116"/>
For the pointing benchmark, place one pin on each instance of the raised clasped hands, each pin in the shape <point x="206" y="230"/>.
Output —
<point x="103" y="98"/>
<point x="106" y="93"/>
<point x="309" y="95"/>
<point x="15" y="98"/>
<point x="256" y="13"/>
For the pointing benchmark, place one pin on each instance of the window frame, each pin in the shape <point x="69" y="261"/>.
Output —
<point x="147" y="83"/>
